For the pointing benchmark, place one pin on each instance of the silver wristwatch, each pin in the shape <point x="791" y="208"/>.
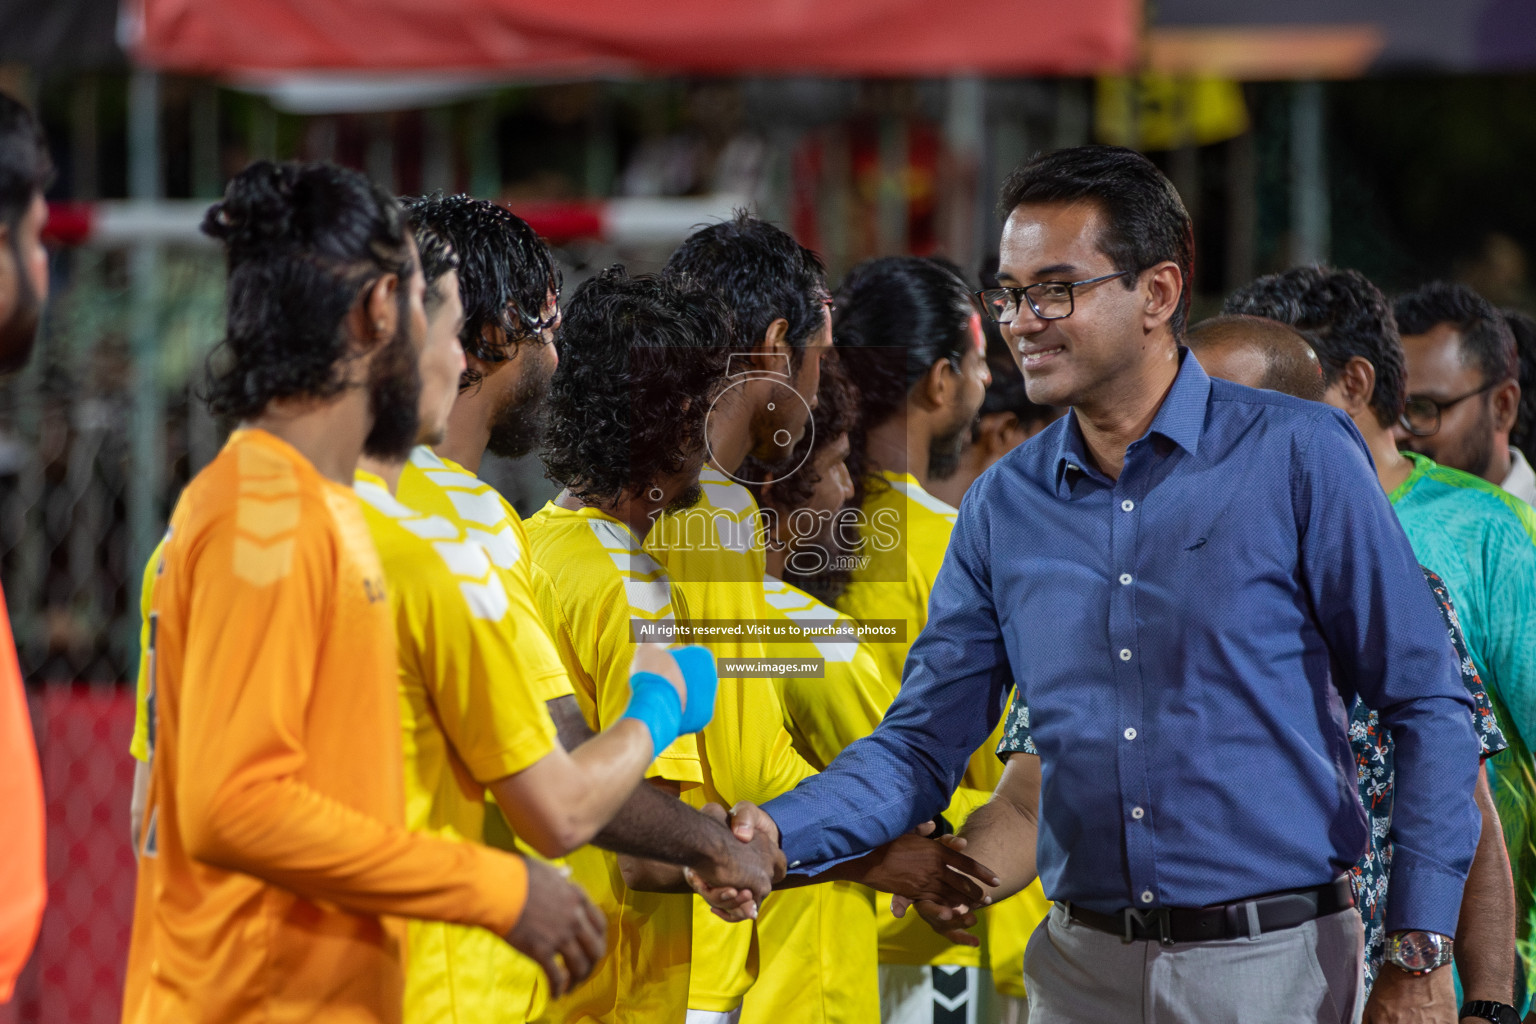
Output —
<point x="1418" y="952"/>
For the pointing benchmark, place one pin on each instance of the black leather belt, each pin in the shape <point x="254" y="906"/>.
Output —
<point x="1245" y="919"/>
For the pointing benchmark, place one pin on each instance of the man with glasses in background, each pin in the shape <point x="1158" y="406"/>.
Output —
<point x="1463" y="387"/>
<point x="1186" y="581"/>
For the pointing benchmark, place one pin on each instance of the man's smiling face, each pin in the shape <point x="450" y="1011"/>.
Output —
<point x="1065" y="361"/>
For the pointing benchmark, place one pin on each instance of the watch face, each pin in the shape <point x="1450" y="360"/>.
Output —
<point x="1417" y="951"/>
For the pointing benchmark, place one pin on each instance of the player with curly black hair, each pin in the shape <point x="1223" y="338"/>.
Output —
<point x="1470" y="534"/>
<point x="509" y="283"/>
<point x="272" y="703"/>
<point x="642" y="361"/>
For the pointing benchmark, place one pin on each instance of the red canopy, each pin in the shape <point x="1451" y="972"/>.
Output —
<point x="539" y="38"/>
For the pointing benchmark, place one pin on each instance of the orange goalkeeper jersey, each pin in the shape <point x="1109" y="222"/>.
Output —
<point x="273" y="841"/>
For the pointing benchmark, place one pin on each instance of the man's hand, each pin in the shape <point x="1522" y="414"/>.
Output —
<point x="744" y="876"/>
<point x="558" y="924"/>
<point x="1402" y="998"/>
<point x="925" y="870"/>
<point x="951" y="923"/>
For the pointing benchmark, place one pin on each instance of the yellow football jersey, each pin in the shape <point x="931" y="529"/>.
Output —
<point x="714" y="555"/>
<point x="442" y="487"/>
<point x="896" y="583"/>
<point x="823" y="715"/>
<point x="465" y="646"/>
<point x="591" y="578"/>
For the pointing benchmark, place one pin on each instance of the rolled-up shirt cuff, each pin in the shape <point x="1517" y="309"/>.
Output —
<point x="1423" y="895"/>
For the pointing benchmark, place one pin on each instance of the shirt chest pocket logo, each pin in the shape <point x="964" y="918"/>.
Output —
<point x="1197" y="544"/>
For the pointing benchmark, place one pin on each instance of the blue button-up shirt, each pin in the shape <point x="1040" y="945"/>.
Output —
<point x="1187" y="638"/>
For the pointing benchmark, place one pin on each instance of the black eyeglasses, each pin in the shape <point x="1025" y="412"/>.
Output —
<point x="1050" y="300"/>
<point x="1421" y="414"/>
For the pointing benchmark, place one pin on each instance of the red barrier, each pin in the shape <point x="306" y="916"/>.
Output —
<point x="76" y="972"/>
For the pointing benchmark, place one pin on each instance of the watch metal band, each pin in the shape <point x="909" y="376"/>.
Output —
<point x="1487" y="1009"/>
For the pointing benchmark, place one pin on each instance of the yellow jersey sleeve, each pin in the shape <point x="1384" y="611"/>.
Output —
<point x="438" y="486"/>
<point x="463" y="638"/>
<point x="138" y="746"/>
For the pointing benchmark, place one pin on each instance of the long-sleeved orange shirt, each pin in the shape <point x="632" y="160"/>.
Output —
<point x="23" y="883"/>
<point x="273" y="841"/>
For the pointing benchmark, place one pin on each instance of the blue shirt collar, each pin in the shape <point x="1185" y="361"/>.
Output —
<point x="1180" y="419"/>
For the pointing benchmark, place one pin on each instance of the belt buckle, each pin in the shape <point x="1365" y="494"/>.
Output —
<point x="1146" y="918"/>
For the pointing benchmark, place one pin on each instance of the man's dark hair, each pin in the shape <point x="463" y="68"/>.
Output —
<point x="303" y="242"/>
<point x="895" y="317"/>
<point x="1487" y="343"/>
<point x="26" y="170"/>
<point x="1523" y="327"/>
<point x="763" y="275"/>
<point x="506" y="272"/>
<point x="437" y="259"/>
<point x="640" y="361"/>
<point x="1342" y="315"/>
<point x="1145" y="222"/>
<point x="1291" y="367"/>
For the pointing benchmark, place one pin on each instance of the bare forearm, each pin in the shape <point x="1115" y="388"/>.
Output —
<point x="1485" y="932"/>
<point x="1002" y="836"/>
<point x="658" y="826"/>
<point x="650" y="824"/>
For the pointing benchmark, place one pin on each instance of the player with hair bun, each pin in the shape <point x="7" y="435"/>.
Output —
<point x="274" y="862"/>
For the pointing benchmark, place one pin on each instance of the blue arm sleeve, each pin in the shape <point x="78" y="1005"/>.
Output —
<point x="952" y="693"/>
<point x="1389" y="646"/>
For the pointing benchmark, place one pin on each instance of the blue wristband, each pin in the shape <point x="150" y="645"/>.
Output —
<point x="701" y="680"/>
<point x="654" y="703"/>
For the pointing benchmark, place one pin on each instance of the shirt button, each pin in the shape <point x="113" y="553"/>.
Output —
<point x="1138" y="813"/>
<point x="1125" y="654"/>
<point x="1125" y="579"/>
<point x="1130" y="734"/>
<point x="1127" y="505"/>
<point x="1147" y="897"/>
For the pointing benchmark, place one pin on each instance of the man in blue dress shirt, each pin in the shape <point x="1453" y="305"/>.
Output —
<point x="1188" y="582"/>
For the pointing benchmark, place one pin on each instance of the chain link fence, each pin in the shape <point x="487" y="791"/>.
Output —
<point x="97" y="436"/>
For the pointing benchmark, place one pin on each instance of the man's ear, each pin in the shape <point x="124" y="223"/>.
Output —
<point x="936" y="388"/>
<point x="770" y="351"/>
<point x="1357" y="383"/>
<point x="1506" y="404"/>
<point x="379" y="312"/>
<point x="1164" y="289"/>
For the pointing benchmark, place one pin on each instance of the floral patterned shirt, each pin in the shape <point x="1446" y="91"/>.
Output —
<point x="1374" y="761"/>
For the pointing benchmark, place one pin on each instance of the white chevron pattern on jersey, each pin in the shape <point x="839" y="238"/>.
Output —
<point x="476" y="502"/>
<point x="733" y="508"/>
<point x="918" y="496"/>
<point x="801" y="608"/>
<point x="465" y="559"/>
<point x="646" y="586"/>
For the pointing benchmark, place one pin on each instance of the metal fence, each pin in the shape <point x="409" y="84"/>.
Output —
<point x="96" y="436"/>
